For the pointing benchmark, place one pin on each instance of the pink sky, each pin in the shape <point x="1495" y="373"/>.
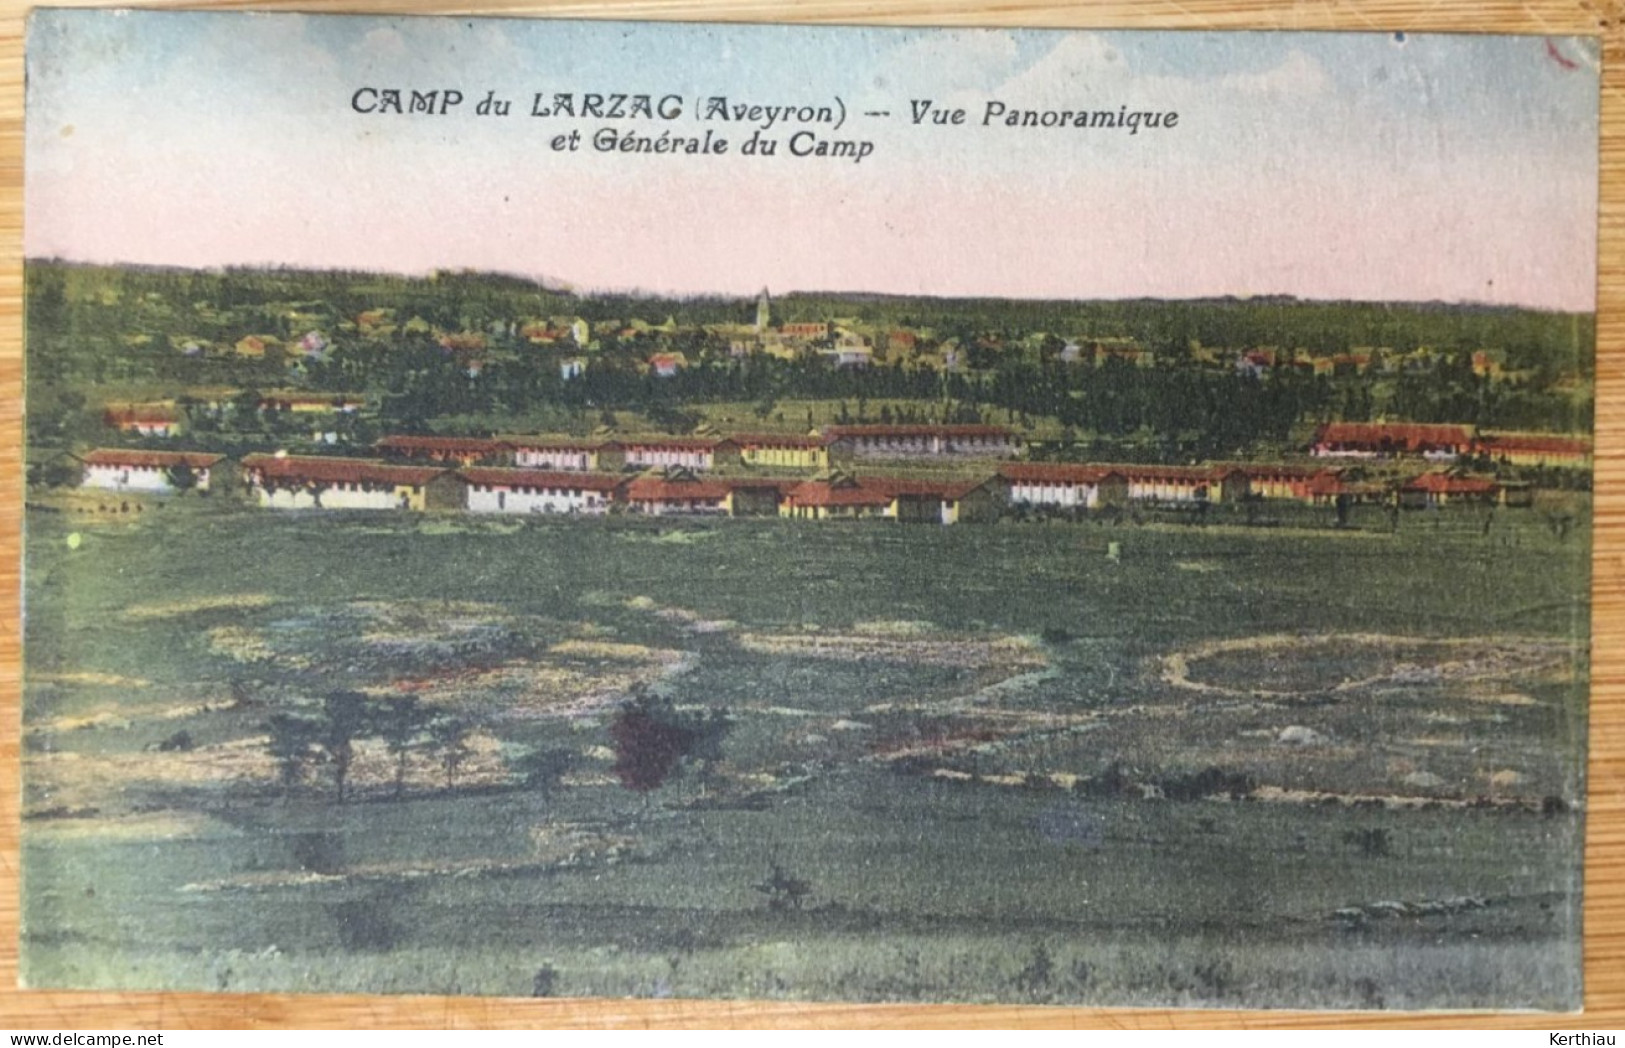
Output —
<point x="1279" y="181"/>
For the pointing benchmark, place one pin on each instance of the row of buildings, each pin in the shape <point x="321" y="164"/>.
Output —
<point x="1335" y="440"/>
<point x="1447" y="443"/>
<point x="706" y="453"/>
<point x="818" y="449"/>
<point x="298" y="482"/>
<point x="309" y="482"/>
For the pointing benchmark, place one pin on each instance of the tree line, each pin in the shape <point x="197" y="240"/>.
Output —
<point x="652" y="741"/>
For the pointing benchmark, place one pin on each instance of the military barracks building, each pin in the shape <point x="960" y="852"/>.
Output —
<point x="661" y="475"/>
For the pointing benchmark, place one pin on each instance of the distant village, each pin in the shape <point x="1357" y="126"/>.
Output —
<point x="843" y="342"/>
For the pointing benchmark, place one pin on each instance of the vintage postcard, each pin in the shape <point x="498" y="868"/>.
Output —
<point x="542" y="508"/>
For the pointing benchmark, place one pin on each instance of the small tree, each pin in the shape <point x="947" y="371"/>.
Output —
<point x="449" y="736"/>
<point x="401" y="726"/>
<point x="181" y="477"/>
<point x="344" y="719"/>
<point x="245" y="409"/>
<point x="292" y="744"/>
<point x="543" y="770"/>
<point x="55" y="472"/>
<point x="784" y="891"/>
<point x="705" y="746"/>
<point x="650" y="742"/>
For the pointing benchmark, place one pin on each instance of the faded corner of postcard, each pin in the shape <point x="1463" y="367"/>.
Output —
<point x="810" y="513"/>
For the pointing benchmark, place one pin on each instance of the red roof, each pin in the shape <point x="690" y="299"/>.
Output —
<point x="679" y="443"/>
<point x="338" y="470"/>
<point x="557" y="443"/>
<point x="130" y="416"/>
<point x="1537" y="442"/>
<point x="1445" y="484"/>
<point x="822" y="493"/>
<point x="535" y="478"/>
<point x="150" y="459"/>
<point x="837" y="432"/>
<point x="1327" y="483"/>
<point x="1057" y="472"/>
<point x="658" y="489"/>
<point x="1410" y="436"/>
<point x="878" y="491"/>
<point x="462" y="340"/>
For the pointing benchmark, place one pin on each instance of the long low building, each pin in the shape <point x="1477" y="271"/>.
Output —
<point x="1065" y="484"/>
<point x="582" y="454"/>
<point x="528" y="491"/>
<point x="695" y="453"/>
<point x="1392" y="439"/>
<point x="316" y="482"/>
<point x="1188" y="484"/>
<point x="151" y="472"/>
<point x="1332" y="488"/>
<point x="1536" y="449"/>
<point x="144" y="420"/>
<point x="908" y="441"/>
<point x="1089" y="485"/>
<point x="1280" y="481"/>
<point x="680" y="492"/>
<point x="1441" y="489"/>
<point x="841" y="495"/>
<point x="790" y="450"/>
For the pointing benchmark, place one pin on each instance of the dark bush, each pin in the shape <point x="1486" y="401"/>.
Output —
<point x="1209" y="782"/>
<point x="1373" y="843"/>
<point x="1113" y="782"/>
<point x="1035" y="976"/>
<point x="180" y="742"/>
<point x="364" y="924"/>
<point x="784" y="891"/>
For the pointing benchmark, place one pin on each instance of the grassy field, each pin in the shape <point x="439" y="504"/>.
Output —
<point x="1254" y="767"/>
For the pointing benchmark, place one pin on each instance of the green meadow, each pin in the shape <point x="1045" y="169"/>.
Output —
<point x="1056" y="763"/>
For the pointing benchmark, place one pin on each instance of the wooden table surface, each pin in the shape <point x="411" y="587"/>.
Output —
<point x="1605" y="830"/>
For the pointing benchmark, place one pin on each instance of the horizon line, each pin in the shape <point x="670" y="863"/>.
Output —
<point x="543" y="282"/>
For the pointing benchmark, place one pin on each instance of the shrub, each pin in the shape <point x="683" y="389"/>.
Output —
<point x="180" y="742"/>
<point x="1373" y="843"/>
<point x="1113" y="782"/>
<point x="1209" y="782"/>
<point x="784" y="891"/>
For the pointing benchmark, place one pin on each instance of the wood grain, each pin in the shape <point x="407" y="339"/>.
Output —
<point x="1605" y="849"/>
